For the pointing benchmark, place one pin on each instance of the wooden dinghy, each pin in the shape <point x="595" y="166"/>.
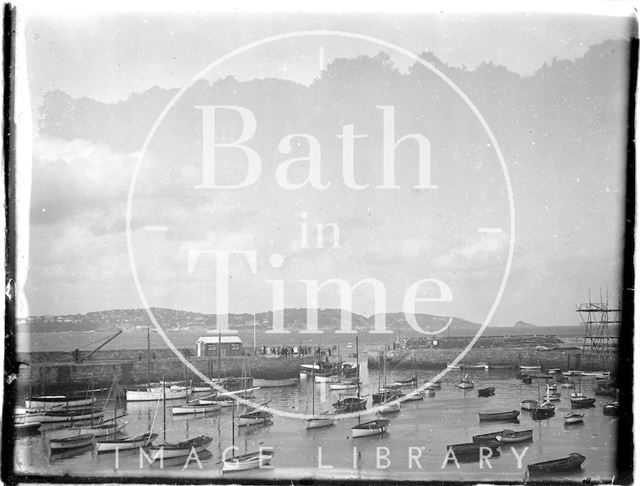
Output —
<point x="366" y="429"/>
<point x="71" y="442"/>
<point x="571" y="463"/>
<point x="125" y="443"/>
<point x="498" y="416"/>
<point x="245" y="462"/>
<point x="183" y="448"/>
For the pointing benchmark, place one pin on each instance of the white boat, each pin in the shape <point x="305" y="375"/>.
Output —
<point x="104" y="428"/>
<point x="550" y="395"/>
<point x="71" y="442"/>
<point x="465" y="383"/>
<point x="343" y="385"/>
<point x="26" y="427"/>
<point x="201" y="389"/>
<point x="251" y="460"/>
<point x="180" y="388"/>
<point x="374" y="427"/>
<point x="27" y="417"/>
<point x="528" y="404"/>
<point x="153" y="394"/>
<point x="573" y="418"/>
<point x="255" y="417"/>
<point x="53" y="402"/>
<point x="326" y="378"/>
<point x="567" y="385"/>
<point x="260" y="383"/>
<point x="597" y="374"/>
<point x="389" y="408"/>
<point x="530" y="367"/>
<point x="324" y="419"/>
<point x="195" y="407"/>
<point x="572" y="373"/>
<point x="245" y="462"/>
<point x="414" y="395"/>
<point x="320" y="421"/>
<point x="125" y="443"/>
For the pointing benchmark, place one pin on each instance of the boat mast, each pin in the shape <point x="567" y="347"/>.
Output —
<point x="254" y="333"/>
<point x="313" y="390"/>
<point x="115" y="404"/>
<point x="219" y="354"/>
<point x="149" y="356"/>
<point x="233" y="430"/>
<point x="164" y="410"/>
<point x="358" y="375"/>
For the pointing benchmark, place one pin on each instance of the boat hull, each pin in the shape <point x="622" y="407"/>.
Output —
<point x="254" y="460"/>
<point x="498" y="416"/>
<point x="195" y="409"/>
<point x="155" y="394"/>
<point x="104" y="430"/>
<point x="127" y="443"/>
<point x="375" y="427"/>
<point x="571" y="463"/>
<point x="72" y="442"/>
<point x="53" y="417"/>
<point x="182" y="449"/>
<point x="319" y="422"/>
<point x="275" y="383"/>
<point x="49" y="402"/>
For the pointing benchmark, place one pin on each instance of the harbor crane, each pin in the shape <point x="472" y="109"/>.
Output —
<point x="77" y="353"/>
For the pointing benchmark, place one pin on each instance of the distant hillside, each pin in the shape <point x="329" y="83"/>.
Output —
<point x="295" y="320"/>
<point x="523" y="324"/>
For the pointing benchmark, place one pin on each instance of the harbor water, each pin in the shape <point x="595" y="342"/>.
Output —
<point x="413" y="448"/>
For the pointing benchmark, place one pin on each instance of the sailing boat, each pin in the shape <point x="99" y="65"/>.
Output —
<point x="169" y="450"/>
<point x="389" y="396"/>
<point x="465" y="383"/>
<point x="154" y="393"/>
<point x="373" y="427"/>
<point x="385" y="394"/>
<point x="256" y="416"/>
<point x="350" y="404"/>
<point x="415" y="394"/>
<point x="251" y="460"/>
<point x="543" y="411"/>
<point x="323" y="420"/>
<point x="110" y="426"/>
<point x="127" y="443"/>
<point x="578" y="400"/>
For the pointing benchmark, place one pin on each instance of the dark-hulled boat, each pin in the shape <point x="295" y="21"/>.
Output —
<point x="496" y="416"/>
<point x="542" y="412"/>
<point x="578" y="400"/>
<point x="611" y="409"/>
<point x="473" y="448"/>
<point x="487" y="391"/>
<point x="514" y="436"/>
<point x="571" y="463"/>
<point x="486" y="438"/>
<point x="350" y="404"/>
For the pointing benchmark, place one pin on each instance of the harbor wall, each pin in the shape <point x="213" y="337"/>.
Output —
<point x="439" y="358"/>
<point x="56" y="371"/>
<point x="47" y="376"/>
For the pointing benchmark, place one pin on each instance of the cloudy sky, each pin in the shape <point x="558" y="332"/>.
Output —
<point x="551" y="88"/>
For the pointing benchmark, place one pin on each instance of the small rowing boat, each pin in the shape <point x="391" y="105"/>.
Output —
<point x="497" y="416"/>
<point x="573" y="418"/>
<point x="125" y="443"/>
<point x="571" y="463"/>
<point x="71" y="442"/>
<point x="487" y="391"/>
<point x="366" y="429"/>
<point x="275" y="383"/>
<point x="514" y="436"/>
<point x="528" y="404"/>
